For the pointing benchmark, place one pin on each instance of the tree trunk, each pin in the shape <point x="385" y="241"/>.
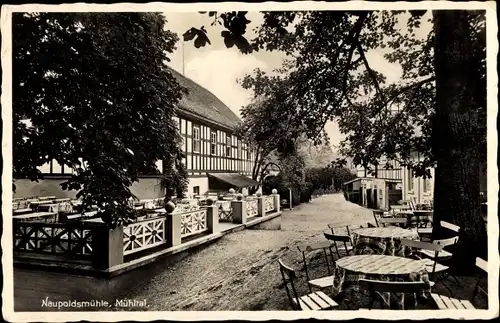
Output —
<point x="454" y="137"/>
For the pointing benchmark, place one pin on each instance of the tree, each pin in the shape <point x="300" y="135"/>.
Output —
<point x="92" y="91"/>
<point x="327" y="76"/>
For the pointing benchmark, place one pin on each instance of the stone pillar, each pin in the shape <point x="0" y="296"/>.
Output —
<point x="173" y="229"/>
<point x="277" y="200"/>
<point x="212" y="218"/>
<point x="239" y="211"/>
<point x="107" y="246"/>
<point x="261" y="206"/>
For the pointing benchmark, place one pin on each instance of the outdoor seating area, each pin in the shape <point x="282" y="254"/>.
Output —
<point x="389" y="265"/>
<point x="60" y="230"/>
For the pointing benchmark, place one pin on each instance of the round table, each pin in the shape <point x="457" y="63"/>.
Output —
<point x="349" y="270"/>
<point x="382" y="241"/>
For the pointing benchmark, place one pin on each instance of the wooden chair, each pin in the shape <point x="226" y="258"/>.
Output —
<point x="377" y="215"/>
<point x="348" y="229"/>
<point x="422" y="221"/>
<point x="402" y="222"/>
<point x="311" y="302"/>
<point x="483" y="266"/>
<point x="432" y="265"/>
<point x="306" y="251"/>
<point x="344" y="241"/>
<point x="443" y="255"/>
<point x="376" y="286"/>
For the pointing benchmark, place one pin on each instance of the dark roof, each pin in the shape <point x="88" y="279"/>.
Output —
<point x="202" y="103"/>
<point x="235" y="179"/>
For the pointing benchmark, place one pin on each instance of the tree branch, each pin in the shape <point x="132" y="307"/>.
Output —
<point x="370" y="71"/>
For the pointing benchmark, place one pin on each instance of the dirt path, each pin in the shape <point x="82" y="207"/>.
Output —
<point x="240" y="271"/>
<point x="237" y="272"/>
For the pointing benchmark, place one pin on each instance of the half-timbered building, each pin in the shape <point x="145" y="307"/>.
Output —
<point x="215" y="158"/>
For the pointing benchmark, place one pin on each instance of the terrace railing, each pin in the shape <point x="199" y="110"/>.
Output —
<point x="193" y="222"/>
<point x="144" y="234"/>
<point x="252" y="208"/>
<point x="269" y="203"/>
<point x="53" y="238"/>
<point x="225" y="211"/>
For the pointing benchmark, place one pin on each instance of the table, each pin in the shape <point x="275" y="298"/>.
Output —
<point x="381" y="241"/>
<point x="349" y="270"/>
<point x="37" y="216"/>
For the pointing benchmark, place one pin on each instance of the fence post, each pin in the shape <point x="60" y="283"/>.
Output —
<point x="277" y="201"/>
<point x="212" y="218"/>
<point x="173" y="232"/>
<point x="239" y="210"/>
<point x="261" y="205"/>
<point x="107" y="246"/>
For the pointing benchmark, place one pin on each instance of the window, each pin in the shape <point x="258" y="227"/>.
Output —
<point x="196" y="139"/>
<point x="196" y="190"/>
<point x="228" y="146"/>
<point x="425" y="184"/>
<point x="213" y="143"/>
<point x="410" y="179"/>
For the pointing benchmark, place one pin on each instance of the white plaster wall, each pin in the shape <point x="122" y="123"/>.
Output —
<point x="202" y="182"/>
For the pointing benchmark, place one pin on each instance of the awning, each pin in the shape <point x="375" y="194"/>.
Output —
<point x="234" y="179"/>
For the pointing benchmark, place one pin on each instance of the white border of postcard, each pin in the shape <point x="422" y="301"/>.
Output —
<point x="6" y="100"/>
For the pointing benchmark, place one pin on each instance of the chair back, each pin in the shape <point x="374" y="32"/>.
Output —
<point x="450" y="226"/>
<point x="337" y="229"/>
<point x="377" y="215"/>
<point x="421" y="219"/>
<point x="307" y="250"/>
<point x="289" y="276"/>
<point x="392" y="221"/>
<point x="446" y="242"/>
<point x="421" y="245"/>
<point x="482" y="264"/>
<point x="373" y="286"/>
<point x="338" y="239"/>
<point x="351" y="228"/>
<point x="393" y="286"/>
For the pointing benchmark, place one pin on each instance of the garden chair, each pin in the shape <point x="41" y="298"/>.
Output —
<point x="374" y="287"/>
<point x="377" y="215"/>
<point x="308" y="255"/>
<point x="343" y="240"/>
<point x="483" y="266"/>
<point x="445" y="255"/>
<point x="341" y="231"/>
<point x="435" y="269"/>
<point x="422" y="221"/>
<point x="348" y="229"/>
<point x="315" y="301"/>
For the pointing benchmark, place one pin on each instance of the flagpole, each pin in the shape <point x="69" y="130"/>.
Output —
<point x="183" y="58"/>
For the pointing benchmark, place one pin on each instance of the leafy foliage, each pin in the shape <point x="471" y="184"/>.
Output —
<point x="437" y="109"/>
<point x="379" y="119"/>
<point x="94" y="86"/>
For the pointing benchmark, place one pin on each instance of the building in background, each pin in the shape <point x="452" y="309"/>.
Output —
<point x="216" y="159"/>
<point x="386" y="186"/>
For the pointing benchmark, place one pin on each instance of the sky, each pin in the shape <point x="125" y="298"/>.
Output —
<point x="217" y="68"/>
